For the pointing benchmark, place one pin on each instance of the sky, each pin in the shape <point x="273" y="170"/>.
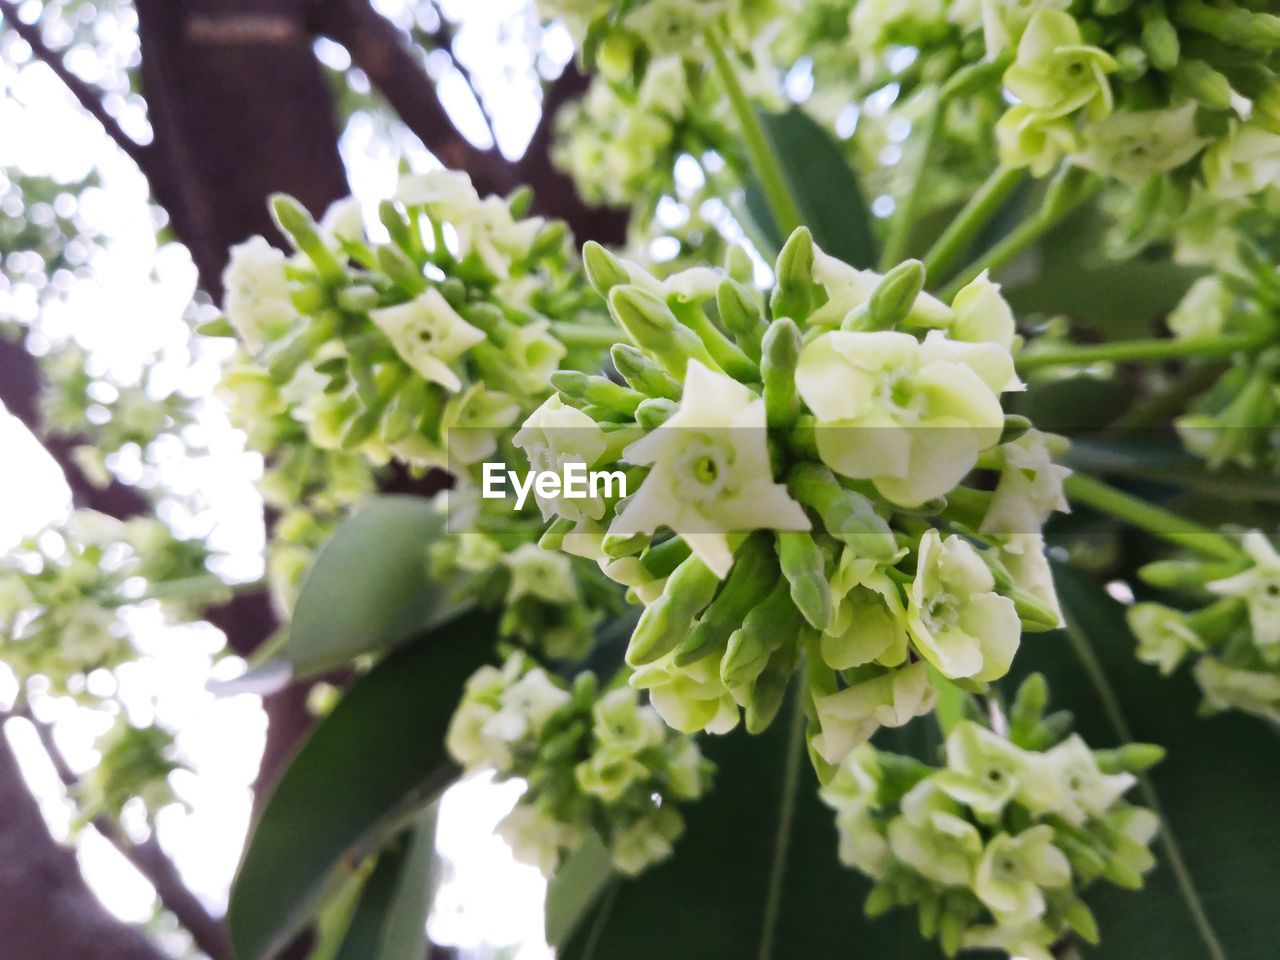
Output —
<point x="131" y="308"/>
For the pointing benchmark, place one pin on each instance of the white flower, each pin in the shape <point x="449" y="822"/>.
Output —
<point x="540" y="573"/>
<point x="1260" y="588"/>
<point x="849" y="717"/>
<point x="428" y="335"/>
<point x="869" y="622"/>
<point x="1226" y="688"/>
<point x="1202" y="312"/>
<point x="982" y="315"/>
<point x="257" y="298"/>
<point x="957" y="620"/>
<point x="1082" y="790"/>
<point x="911" y="418"/>
<point x="710" y="472"/>
<point x="1243" y="162"/>
<point x="1030" y="487"/>
<point x="553" y="436"/>
<point x="536" y="838"/>
<point x="1164" y="635"/>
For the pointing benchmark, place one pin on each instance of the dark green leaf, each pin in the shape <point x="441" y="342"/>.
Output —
<point x="376" y="759"/>
<point x="390" y="922"/>
<point x="578" y="884"/>
<point x="754" y="876"/>
<point x="369" y="588"/>
<point x="825" y="189"/>
<point x="1212" y="895"/>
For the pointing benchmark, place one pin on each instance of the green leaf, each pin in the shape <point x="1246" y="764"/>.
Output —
<point x="754" y="876"/>
<point x="582" y="878"/>
<point x="377" y="759"/>
<point x="369" y="587"/>
<point x="825" y="189"/>
<point x="1212" y="895"/>
<point x="390" y="922"/>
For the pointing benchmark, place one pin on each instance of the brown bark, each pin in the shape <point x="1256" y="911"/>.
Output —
<point x="47" y="912"/>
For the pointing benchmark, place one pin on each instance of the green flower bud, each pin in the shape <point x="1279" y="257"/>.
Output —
<point x="616" y="546"/>
<point x="780" y="351"/>
<point x="1015" y="426"/>
<point x="604" y="270"/>
<point x="1159" y="38"/>
<point x="642" y="373"/>
<point x="1080" y="919"/>
<point x="654" y="328"/>
<point x="795" y="294"/>
<point x="1028" y="708"/>
<point x="1131" y="758"/>
<point x="754" y="575"/>
<point x="1199" y="81"/>
<point x="667" y="620"/>
<point x="553" y="537"/>
<point x="1233" y="25"/>
<point x="770" y="689"/>
<point x="401" y="270"/>
<point x="740" y="315"/>
<point x="390" y="216"/>
<point x="359" y="298"/>
<point x="804" y="567"/>
<point x="770" y="623"/>
<point x="292" y="219"/>
<point x="847" y="516"/>
<point x="652" y="414"/>
<point x="601" y="391"/>
<point x="660" y="560"/>
<point x="895" y="296"/>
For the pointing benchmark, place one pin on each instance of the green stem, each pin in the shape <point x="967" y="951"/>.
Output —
<point x="764" y="160"/>
<point x="1083" y="489"/>
<point x="976" y="214"/>
<point x="1017" y="240"/>
<point x="904" y="219"/>
<point x="585" y="335"/>
<point x="1121" y="350"/>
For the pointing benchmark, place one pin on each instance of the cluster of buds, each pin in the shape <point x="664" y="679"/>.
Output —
<point x="63" y="593"/>
<point x="383" y="347"/>
<point x="135" y="764"/>
<point x="621" y="39"/>
<point x="593" y="761"/>
<point x="1235" y="421"/>
<point x="1235" y="638"/>
<point x="1137" y="88"/>
<point x="619" y="144"/>
<point x="993" y="848"/>
<point x="795" y="490"/>
<point x="551" y="602"/>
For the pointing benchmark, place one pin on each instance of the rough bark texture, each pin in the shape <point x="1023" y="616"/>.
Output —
<point x="46" y="911"/>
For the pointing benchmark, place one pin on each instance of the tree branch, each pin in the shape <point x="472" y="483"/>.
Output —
<point x="49" y="912"/>
<point x="148" y="858"/>
<point x="86" y="95"/>
<point x="442" y="38"/>
<point x="382" y="52"/>
<point x="20" y="393"/>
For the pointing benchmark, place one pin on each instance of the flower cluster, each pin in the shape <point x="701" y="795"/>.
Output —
<point x="64" y="593"/>
<point x="550" y="601"/>
<point x="384" y="347"/>
<point x="1136" y="90"/>
<point x="1235" y="639"/>
<point x="1235" y="421"/>
<point x="795" y="488"/>
<point x="620" y="144"/>
<point x="994" y="847"/>
<point x="593" y="761"/>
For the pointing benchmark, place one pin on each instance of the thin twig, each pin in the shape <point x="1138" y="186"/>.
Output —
<point x="148" y="857"/>
<point x="86" y="94"/>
